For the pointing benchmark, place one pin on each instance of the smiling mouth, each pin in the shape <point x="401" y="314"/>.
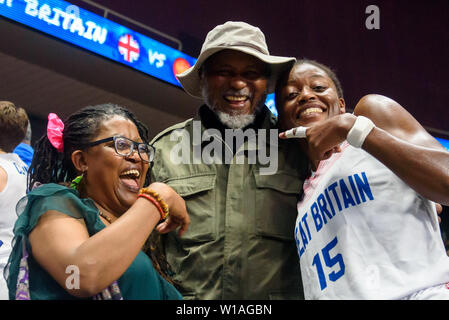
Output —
<point x="236" y="99"/>
<point x="130" y="179"/>
<point x="308" y="111"/>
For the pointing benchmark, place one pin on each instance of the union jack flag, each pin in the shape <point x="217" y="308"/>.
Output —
<point x="128" y="48"/>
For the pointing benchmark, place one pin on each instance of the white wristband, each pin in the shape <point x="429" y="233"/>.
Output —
<point x="298" y="132"/>
<point x="359" y="131"/>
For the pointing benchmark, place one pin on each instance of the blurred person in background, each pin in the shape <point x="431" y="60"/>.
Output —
<point x="13" y="178"/>
<point x="24" y="148"/>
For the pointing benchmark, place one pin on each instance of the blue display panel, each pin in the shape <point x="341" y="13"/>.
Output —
<point x="271" y="104"/>
<point x="100" y="35"/>
<point x="444" y="142"/>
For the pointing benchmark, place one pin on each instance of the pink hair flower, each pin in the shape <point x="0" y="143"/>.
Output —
<point x="55" y="127"/>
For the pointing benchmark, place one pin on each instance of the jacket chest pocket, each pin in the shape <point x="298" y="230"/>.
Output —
<point x="276" y="204"/>
<point x="199" y="195"/>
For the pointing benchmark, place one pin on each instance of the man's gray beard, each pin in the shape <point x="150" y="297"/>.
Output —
<point x="233" y="120"/>
<point x="237" y="121"/>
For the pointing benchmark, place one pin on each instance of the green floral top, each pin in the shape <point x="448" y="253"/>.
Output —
<point x="139" y="282"/>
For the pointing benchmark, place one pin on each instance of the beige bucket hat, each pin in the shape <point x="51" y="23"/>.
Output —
<point x="238" y="36"/>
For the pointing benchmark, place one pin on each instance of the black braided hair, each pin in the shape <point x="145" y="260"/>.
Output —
<point x="80" y="128"/>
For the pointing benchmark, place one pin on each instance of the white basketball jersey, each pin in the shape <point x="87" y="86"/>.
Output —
<point x="362" y="233"/>
<point x="14" y="190"/>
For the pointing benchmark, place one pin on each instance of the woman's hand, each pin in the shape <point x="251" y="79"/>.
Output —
<point x="178" y="216"/>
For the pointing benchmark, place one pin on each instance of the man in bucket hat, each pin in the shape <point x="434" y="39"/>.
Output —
<point x="240" y="244"/>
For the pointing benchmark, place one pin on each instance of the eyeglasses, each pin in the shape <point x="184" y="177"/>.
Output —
<point x="125" y="147"/>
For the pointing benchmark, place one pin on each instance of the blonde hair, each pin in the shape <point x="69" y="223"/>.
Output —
<point x="13" y="125"/>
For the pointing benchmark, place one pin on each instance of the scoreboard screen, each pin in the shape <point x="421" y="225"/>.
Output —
<point x="94" y="33"/>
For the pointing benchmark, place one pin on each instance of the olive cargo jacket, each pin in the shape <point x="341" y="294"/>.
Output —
<point x="240" y="242"/>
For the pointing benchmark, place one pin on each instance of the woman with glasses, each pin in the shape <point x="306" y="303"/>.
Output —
<point x="82" y="226"/>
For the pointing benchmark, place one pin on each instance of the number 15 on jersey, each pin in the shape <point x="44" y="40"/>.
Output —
<point x="329" y="262"/>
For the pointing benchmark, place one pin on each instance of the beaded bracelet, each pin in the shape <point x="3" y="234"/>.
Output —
<point x="156" y="199"/>
<point x="153" y="201"/>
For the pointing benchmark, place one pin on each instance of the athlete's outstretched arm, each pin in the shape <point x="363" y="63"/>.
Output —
<point x="404" y="146"/>
<point x="397" y="140"/>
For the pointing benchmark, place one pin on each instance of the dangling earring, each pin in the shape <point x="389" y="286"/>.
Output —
<point x="76" y="182"/>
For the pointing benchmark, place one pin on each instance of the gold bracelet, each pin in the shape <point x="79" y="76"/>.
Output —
<point x="157" y="197"/>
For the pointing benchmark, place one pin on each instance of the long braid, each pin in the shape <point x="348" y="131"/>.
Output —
<point x="45" y="163"/>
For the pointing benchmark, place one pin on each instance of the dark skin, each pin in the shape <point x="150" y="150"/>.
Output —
<point x="398" y="140"/>
<point x="234" y="82"/>
<point x="58" y="240"/>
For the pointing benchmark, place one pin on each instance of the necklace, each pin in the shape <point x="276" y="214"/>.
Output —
<point x="108" y="219"/>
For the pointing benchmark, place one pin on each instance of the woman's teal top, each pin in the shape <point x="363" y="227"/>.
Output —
<point x="139" y="282"/>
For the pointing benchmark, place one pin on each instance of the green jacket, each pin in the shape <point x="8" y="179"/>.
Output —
<point x="240" y="243"/>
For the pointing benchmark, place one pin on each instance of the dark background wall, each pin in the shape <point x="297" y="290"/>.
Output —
<point x="406" y="59"/>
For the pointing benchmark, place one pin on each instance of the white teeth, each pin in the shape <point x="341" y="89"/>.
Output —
<point x="235" y="98"/>
<point x="132" y="172"/>
<point x="310" y="111"/>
